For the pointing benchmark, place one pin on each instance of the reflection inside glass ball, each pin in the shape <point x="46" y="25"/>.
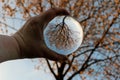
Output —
<point x="63" y="35"/>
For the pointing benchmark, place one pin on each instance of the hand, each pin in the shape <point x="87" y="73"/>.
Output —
<point x="31" y="40"/>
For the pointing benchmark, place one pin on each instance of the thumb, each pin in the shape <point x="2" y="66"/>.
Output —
<point x="49" y="54"/>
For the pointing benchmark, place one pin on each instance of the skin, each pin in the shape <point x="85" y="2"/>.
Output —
<point x="28" y="42"/>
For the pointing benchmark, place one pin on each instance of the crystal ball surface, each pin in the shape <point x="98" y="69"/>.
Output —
<point x="63" y="34"/>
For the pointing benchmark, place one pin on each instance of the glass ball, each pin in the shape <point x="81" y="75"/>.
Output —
<point x="63" y="34"/>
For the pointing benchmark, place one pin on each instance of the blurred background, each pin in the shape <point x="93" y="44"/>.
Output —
<point x="97" y="58"/>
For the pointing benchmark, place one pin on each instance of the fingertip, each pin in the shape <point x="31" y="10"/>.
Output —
<point x="60" y="11"/>
<point x="63" y="58"/>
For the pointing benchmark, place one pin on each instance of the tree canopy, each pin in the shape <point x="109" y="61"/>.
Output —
<point x="99" y="54"/>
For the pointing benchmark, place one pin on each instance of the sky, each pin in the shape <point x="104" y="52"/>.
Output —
<point x="25" y="69"/>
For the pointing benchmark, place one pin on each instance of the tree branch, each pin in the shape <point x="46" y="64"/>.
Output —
<point x="56" y="64"/>
<point x="60" y="71"/>
<point x="100" y="60"/>
<point x="70" y="65"/>
<point x="83" y="52"/>
<point x="87" y="46"/>
<point x="51" y="69"/>
<point x="85" y="19"/>
<point x="85" y="65"/>
<point x="8" y="26"/>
